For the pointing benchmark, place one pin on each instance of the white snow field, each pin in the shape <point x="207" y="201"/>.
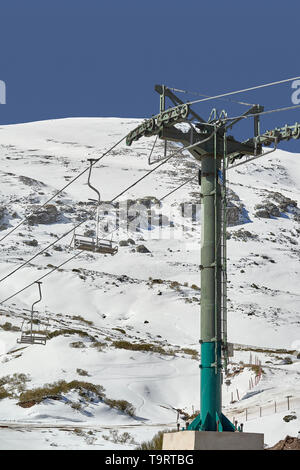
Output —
<point x="148" y="302"/>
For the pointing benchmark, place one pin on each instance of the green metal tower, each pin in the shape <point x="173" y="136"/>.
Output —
<point x="217" y="151"/>
<point x="213" y="290"/>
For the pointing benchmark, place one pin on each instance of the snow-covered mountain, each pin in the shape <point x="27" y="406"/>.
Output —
<point x="130" y="322"/>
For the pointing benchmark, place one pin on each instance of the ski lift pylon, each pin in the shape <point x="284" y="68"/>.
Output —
<point x="31" y="336"/>
<point x="95" y="244"/>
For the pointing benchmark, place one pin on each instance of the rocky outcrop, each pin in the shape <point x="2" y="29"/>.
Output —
<point x="285" y="204"/>
<point x="32" y="242"/>
<point x="274" y="204"/>
<point x="289" y="443"/>
<point x="236" y="212"/>
<point x="266" y="210"/>
<point x="4" y="217"/>
<point x="2" y="212"/>
<point x="31" y="182"/>
<point x="243" y="235"/>
<point x="142" y="249"/>
<point x="128" y="242"/>
<point x="48" y="214"/>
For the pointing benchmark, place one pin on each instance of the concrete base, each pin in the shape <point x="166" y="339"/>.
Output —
<point x="211" y="440"/>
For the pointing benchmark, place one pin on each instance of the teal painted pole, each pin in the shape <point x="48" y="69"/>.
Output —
<point x="211" y="417"/>
<point x="210" y="377"/>
<point x="210" y="333"/>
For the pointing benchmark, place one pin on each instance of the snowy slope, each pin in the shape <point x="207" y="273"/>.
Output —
<point x="151" y="298"/>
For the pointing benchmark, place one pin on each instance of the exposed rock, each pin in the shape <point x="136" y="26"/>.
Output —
<point x="297" y="218"/>
<point x="57" y="248"/>
<point x="45" y="215"/>
<point x="266" y="210"/>
<point x="123" y="243"/>
<point x="289" y="443"/>
<point x="287" y="360"/>
<point x="69" y="210"/>
<point x="34" y="199"/>
<point x="284" y="202"/>
<point x="274" y="204"/>
<point x="142" y="249"/>
<point x="236" y="212"/>
<point x="123" y="278"/>
<point x="243" y="235"/>
<point x="31" y="242"/>
<point x="2" y="212"/>
<point x="5" y="215"/>
<point x="232" y="196"/>
<point x="30" y="181"/>
<point x="27" y="404"/>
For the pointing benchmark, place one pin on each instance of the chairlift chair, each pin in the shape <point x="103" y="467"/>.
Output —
<point x="30" y="336"/>
<point x="95" y="244"/>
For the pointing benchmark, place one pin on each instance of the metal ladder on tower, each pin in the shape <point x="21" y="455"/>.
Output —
<point x="224" y="192"/>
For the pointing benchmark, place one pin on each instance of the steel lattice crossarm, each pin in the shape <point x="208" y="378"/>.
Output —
<point x="152" y="126"/>
<point x="273" y="136"/>
<point x="163" y="125"/>
<point x="284" y="133"/>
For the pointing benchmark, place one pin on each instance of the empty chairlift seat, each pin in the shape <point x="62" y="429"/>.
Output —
<point x="31" y="337"/>
<point x="29" y="332"/>
<point x="96" y="245"/>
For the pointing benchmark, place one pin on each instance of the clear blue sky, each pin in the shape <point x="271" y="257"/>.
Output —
<point x="102" y="58"/>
